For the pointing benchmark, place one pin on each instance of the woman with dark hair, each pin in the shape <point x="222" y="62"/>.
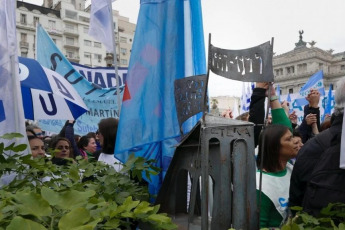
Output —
<point x="276" y="147"/>
<point x="107" y="137"/>
<point x="87" y="146"/>
<point x="62" y="149"/>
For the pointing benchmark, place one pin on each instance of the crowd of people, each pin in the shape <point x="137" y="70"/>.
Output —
<point x="98" y="146"/>
<point x="287" y="153"/>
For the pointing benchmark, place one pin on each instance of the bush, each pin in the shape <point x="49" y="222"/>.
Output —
<point x="78" y="196"/>
<point x="331" y="217"/>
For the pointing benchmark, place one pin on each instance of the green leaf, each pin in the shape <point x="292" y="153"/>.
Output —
<point x="31" y="203"/>
<point x="129" y="204"/>
<point x="159" y="218"/>
<point x="89" y="226"/>
<point x="296" y="208"/>
<point x="19" y="148"/>
<point x="10" y="147"/>
<point x="10" y="136"/>
<point x="309" y="219"/>
<point x="72" y="198"/>
<point x="74" y="173"/>
<point x="24" y="224"/>
<point x="2" y="146"/>
<point x="75" y="218"/>
<point x="341" y="226"/>
<point x="143" y="208"/>
<point x="51" y="196"/>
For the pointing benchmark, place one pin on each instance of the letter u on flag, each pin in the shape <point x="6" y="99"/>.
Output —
<point x="168" y="45"/>
<point x="11" y="106"/>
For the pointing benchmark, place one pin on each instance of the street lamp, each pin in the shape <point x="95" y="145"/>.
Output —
<point x="109" y="59"/>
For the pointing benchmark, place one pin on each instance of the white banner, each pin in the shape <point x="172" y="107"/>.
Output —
<point x="102" y="76"/>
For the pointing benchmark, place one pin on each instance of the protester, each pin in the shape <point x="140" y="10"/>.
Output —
<point x="276" y="148"/>
<point x="62" y="149"/>
<point x="298" y="138"/>
<point x="37" y="147"/>
<point x="36" y="130"/>
<point x="95" y="135"/>
<point x="326" y="123"/>
<point x="68" y="132"/>
<point x="311" y="152"/>
<point x="293" y="119"/>
<point x="311" y="121"/>
<point x="107" y="138"/>
<point x="87" y="146"/>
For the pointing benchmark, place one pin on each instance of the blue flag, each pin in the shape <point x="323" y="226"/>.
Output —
<point x="168" y="45"/>
<point x="100" y="101"/>
<point x="314" y="82"/>
<point x="288" y="99"/>
<point x="330" y="99"/>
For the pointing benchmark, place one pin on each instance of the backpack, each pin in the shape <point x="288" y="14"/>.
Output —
<point x="327" y="183"/>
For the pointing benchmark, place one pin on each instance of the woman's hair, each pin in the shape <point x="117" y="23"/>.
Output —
<point x="296" y="133"/>
<point x="270" y="138"/>
<point x="91" y="134"/>
<point x="84" y="141"/>
<point x="31" y="131"/>
<point x="108" y="128"/>
<point x="55" y="141"/>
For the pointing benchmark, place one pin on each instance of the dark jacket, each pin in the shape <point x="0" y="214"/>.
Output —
<point x="307" y="158"/>
<point x="257" y="111"/>
<point x="306" y="130"/>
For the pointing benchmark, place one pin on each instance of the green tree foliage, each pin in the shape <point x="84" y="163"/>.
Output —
<point x="331" y="218"/>
<point x="81" y="195"/>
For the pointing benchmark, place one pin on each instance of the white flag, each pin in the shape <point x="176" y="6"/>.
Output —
<point x="11" y="106"/>
<point x="101" y="19"/>
<point x="245" y="98"/>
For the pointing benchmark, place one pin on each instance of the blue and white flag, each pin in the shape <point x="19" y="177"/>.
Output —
<point x="329" y="103"/>
<point x="101" y="27"/>
<point x="101" y="102"/>
<point x="11" y="105"/>
<point x="46" y="94"/>
<point x="314" y="82"/>
<point x="168" y="45"/>
<point x="247" y="89"/>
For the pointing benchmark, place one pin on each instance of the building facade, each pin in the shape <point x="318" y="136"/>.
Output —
<point x="67" y="22"/>
<point x="293" y="69"/>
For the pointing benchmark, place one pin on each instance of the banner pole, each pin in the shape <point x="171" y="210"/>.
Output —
<point x="115" y="59"/>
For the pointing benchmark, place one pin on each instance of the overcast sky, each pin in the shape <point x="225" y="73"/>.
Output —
<point x="242" y="24"/>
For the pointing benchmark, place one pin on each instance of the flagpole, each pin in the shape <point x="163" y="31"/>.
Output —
<point x="14" y="92"/>
<point x="115" y="59"/>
